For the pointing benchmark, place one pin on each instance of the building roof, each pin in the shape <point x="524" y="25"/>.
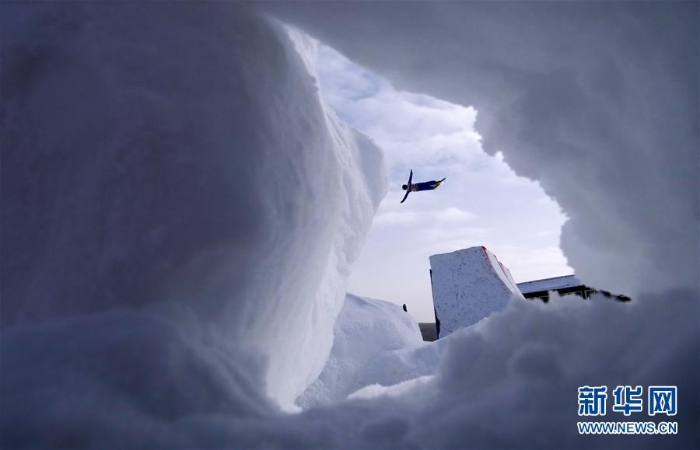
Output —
<point x="549" y="284"/>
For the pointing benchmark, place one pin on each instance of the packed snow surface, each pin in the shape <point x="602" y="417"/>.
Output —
<point x="468" y="285"/>
<point x="375" y="343"/>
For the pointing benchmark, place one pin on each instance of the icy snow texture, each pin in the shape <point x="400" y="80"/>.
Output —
<point x="185" y="170"/>
<point x="374" y="342"/>
<point x="468" y="285"/>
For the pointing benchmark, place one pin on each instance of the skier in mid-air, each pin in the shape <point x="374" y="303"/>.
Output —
<point x="425" y="186"/>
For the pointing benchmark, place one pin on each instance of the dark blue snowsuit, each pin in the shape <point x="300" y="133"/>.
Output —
<point x="425" y="186"/>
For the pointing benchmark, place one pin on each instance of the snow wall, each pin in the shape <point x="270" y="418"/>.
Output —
<point x="468" y="285"/>
<point x="179" y="211"/>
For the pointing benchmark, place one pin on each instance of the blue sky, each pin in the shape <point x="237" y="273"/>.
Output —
<point x="482" y="202"/>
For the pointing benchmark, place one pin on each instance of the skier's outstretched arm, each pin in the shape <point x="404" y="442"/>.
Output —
<point x="408" y="186"/>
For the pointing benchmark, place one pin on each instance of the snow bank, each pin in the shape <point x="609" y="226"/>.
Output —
<point x="366" y="331"/>
<point x="177" y="195"/>
<point x="395" y="390"/>
<point x="468" y="285"/>
<point x="511" y="381"/>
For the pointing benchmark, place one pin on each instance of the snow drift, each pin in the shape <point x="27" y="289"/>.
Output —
<point x="370" y="338"/>
<point x="468" y="285"/>
<point x="177" y="195"/>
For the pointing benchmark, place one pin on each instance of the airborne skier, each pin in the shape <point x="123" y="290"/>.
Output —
<point x="425" y="186"/>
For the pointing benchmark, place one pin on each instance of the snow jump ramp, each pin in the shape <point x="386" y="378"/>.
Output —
<point x="468" y="285"/>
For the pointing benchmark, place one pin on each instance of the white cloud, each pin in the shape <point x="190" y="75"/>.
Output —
<point x="436" y="218"/>
<point x="454" y="215"/>
<point x="397" y="218"/>
<point x="411" y="128"/>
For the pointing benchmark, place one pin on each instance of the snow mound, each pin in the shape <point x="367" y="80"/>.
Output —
<point x="185" y="172"/>
<point x="377" y="390"/>
<point x="468" y="285"/>
<point x="366" y="333"/>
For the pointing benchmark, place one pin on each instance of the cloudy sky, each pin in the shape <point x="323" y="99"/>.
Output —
<point x="482" y="202"/>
